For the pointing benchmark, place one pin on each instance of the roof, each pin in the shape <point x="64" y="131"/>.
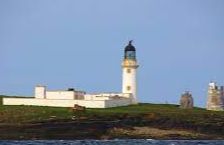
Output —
<point x="130" y="47"/>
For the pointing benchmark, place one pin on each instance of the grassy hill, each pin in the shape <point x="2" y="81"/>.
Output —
<point x="25" y="114"/>
<point x="96" y="122"/>
<point x="1" y="100"/>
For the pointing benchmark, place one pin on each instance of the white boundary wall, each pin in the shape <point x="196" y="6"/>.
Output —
<point x="42" y="93"/>
<point x="107" y="96"/>
<point x="60" y="95"/>
<point x="116" y="103"/>
<point x="67" y="103"/>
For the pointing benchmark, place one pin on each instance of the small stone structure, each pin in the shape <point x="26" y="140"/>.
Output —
<point x="215" y="97"/>
<point x="186" y="101"/>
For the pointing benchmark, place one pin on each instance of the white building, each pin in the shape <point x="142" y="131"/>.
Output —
<point x="70" y="97"/>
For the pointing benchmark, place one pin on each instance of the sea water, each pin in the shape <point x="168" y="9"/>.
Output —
<point x="113" y="142"/>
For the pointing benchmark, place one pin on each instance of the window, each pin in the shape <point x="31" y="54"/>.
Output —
<point x="128" y="88"/>
<point x="128" y="70"/>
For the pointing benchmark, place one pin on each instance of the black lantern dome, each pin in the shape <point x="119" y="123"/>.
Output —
<point x="129" y="52"/>
<point x="130" y="47"/>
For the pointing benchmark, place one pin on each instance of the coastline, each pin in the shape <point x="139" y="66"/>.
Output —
<point x="142" y="121"/>
<point x="99" y="130"/>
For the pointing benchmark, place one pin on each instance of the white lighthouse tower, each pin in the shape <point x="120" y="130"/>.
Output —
<point x="129" y="68"/>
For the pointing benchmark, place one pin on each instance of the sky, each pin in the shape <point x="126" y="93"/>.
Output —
<point x="80" y="44"/>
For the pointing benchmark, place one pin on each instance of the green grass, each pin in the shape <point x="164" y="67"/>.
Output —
<point x="1" y="100"/>
<point x="162" y="110"/>
<point x="158" y="112"/>
<point x="165" y="116"/>
<point x="23" y="114"/>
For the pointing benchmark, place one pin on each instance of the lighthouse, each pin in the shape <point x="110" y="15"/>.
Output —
<point x="73" y="97"/>
<point x="129" y="69"/>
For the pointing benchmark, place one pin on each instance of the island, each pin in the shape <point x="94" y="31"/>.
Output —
<point x="139" y="121"/>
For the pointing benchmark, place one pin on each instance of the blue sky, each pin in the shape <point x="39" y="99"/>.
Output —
<point x="79" y="43"/>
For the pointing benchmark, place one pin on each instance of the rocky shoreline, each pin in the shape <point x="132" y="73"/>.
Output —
<point x="142" y="121"/>
<point x="95" y="129"/>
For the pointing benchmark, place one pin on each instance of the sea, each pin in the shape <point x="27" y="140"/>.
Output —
<point x="113" y="142"/>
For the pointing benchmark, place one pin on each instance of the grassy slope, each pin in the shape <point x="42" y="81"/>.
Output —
<point x="156" y="115"/>
<point x="22" y="114"/>
<point x="169" y="116"/>
<point x="31" y="113"/>
<point x="1" y="100"/>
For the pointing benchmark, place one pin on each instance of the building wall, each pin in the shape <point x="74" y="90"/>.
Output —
<point x="106" y="96"/>
<point x="53" y="102"/>
<point x="60" y="95"/>
<point x="66" y="103"/>
<point x="79" y="95"/>
<point x="129" y="81"/>
<point x="40" y="92"/>
<point x="94" y="97"/>
<point x="70" y="98"/>
<point x="118" y="102"/>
